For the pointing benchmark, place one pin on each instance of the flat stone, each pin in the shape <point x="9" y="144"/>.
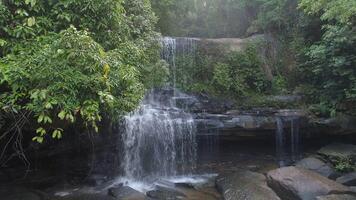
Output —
<point x="347" y="179"/>
<point x="125" y="193"/>
<point x="317" y="166"/>
<point x="244" y="185"/>
<point x="339" y="150"/>
<point x="164" y="193"/>
<point x="292" y="183"/>
<point x="337" y="197"/>
<point x="85" y="196"/>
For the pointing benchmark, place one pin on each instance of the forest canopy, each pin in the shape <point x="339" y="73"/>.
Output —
<point x="75" y="62"/>
<point x="315" y="42"/>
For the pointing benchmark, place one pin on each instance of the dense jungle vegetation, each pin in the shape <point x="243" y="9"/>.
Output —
<point x="314" y="41"/>
<point x="74" y="62"/>
<point x="83" y="62"/>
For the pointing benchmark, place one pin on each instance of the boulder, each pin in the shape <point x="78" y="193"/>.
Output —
<point x="347" y="179"/>
<point x="337" y="197"/>
<point x="339" y="150"/>
<point x="317" y="166"/>
<point x="125" y="193"/>
<point x="292" y="183"/>
<point x="244" y="185"/>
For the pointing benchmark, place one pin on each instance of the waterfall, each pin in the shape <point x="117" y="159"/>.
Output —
<point x="178" y="48"/>
<point x="160" y="139"/>
<point x="287" y="142"/>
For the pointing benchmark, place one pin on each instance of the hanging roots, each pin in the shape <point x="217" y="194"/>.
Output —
<point x="12" y="137"/>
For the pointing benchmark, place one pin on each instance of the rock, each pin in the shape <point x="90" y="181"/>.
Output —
<point x="339" y="150"/>
<point x="317" y="166"/>
<point x="347" y="179"/>
<point x="337" y="197"/>
<point x="353" y="188"/>
<point x="18" y="193"/>
<point x="163" y="193"/>
<point x="95" y="180"/>
<point x="286" y="98"/>
<point x="297" y="183"/>
<point x="244" y="185"/>
<point x="125" y="193"/>
<point x="85" y="196"/>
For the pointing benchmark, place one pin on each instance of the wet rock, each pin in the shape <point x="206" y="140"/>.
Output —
<point x="297" y="183"/>
<point x="163" y="193"/>
<point x="317" y="166"/>
<point x="244" y="185"/>
<point x="18" y="193"/>
<point x="339" y="150"/>
<point x="125" y="193"/>
<point x="286" y="98"/>
<point x="85" y="196"/>
<point x="347" y="179"/>
<point x="95" y="180"/>
<point x="337" y="197"/>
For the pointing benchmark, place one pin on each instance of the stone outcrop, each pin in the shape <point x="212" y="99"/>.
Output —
<point x="244" y="185"/>
<point x="125" y="193"/>
<point x="292" y="183"/>
<point x="337" y="197"/>
<point x="339" y="150"/>
<point x="317" y="166"/>
<point x="347" y="179"/>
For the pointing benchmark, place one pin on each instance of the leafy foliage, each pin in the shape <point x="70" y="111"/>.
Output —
<point x="329" y="63"/>
<point x="235" y="74"/>
<point x="77" y="61"/>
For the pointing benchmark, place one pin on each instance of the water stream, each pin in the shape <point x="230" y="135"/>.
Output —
<point x="159" y="140"/>
<point x="288" y="141"/>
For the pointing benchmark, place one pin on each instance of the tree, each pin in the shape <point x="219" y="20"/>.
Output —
<point x="330" y="62"/>
<point x="76" y="61"/>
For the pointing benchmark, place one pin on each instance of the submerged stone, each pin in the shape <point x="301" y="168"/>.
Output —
<point x="244" y="185"/>
<point x="163" y="193"/>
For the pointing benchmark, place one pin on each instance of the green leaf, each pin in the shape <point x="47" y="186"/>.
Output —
<point x="40" y="118"/>
<point x="2" y="43"/>
<point x="31" y="21"/>
<point x="48" y="105"/>
<point x="62" y="115"/>
<point x="41" y="131"/>
<point x="57" y="134"/>
<point x="38" y="139"/>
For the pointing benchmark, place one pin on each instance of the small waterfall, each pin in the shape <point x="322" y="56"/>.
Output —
<point x="159" y="141"/>
<point x="287" y="142"/>
<point x="178" y="48"/>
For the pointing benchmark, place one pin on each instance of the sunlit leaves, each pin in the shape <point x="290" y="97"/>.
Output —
<point x="341" y="10"/>
<point x="57" y="60"/>
<point x="31" y="21"/>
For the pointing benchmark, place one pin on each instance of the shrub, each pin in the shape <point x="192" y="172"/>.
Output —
<point x="67" y="78"/>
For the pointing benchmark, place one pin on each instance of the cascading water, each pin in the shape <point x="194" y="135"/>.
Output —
<point x="284" y="154"/>
<point x="160" y="139"/>
<point x="174" y="48"/>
